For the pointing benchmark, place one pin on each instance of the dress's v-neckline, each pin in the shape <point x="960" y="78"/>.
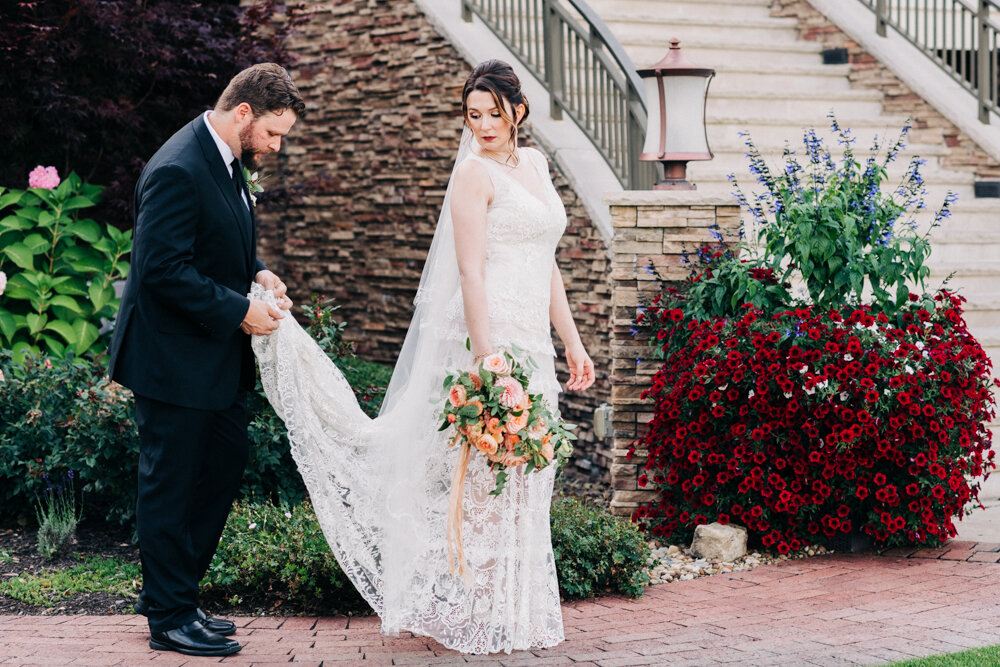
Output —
<point x="517" y="182"/>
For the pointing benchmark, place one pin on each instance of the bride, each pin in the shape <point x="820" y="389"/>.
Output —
<point x="380" y="487"/>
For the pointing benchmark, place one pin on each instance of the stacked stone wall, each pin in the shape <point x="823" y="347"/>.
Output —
<point x="352" y="201"/>
<point x="651" y="229"/>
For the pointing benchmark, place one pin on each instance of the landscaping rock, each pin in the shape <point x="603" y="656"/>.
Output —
<point x="717" y="542"/>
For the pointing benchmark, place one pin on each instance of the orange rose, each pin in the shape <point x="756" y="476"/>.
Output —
<point x="451" y="419"/>
<point x="456" y="396"/>
<point x="477" y="381"/>
<point x="548" y="451"/>
<point x="515" y="423"/>
<point x="497" y="363"/>
<point x="511" y="441"/>
<point x="487" y="444"/>
<point x="509" y="460"/>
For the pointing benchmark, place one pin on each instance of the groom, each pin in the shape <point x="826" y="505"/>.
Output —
<point x="182" y="344"/>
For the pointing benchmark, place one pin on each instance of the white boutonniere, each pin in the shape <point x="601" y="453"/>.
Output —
<point x="253" y="184"/>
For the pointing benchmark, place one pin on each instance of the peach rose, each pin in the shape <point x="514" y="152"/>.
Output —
<point x="487" y="444"/>
<point x="497" y="363"/>
<point x="513" y="393"/>
<point x="547" y="450"/>
<point x="477" y="381"/>
<point x="539" y="430"/>
<point x="509" y="460"/>
<point x="457" y="396"/>
<point x="515" y="423"/>
<point x="511" y="441"/>
<point x="493" y="426"/>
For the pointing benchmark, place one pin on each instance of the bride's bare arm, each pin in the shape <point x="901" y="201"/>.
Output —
<point x="581" y="367"/>
<point x="470" y="196"/>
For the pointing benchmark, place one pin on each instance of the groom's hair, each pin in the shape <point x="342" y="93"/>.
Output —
<point x="266" y="87"/>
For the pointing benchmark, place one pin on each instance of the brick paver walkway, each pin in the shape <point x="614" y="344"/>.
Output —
<point x="830" y="610"/>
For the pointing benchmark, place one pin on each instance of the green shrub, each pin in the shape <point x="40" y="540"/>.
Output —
<point x="61" y="268"/>
<point x="596" y="552"/>
<point x="272" y="554"/>
<point x="61" y="415"/>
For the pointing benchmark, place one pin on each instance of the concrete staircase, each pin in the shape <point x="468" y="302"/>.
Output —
<point x="772" y="85"/>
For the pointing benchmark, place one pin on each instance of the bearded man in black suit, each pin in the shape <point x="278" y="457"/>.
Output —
<point x="182" y="344"/>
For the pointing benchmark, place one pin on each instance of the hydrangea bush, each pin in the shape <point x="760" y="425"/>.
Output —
<point x="858" y="406"/>
<point x="59" y="267"/>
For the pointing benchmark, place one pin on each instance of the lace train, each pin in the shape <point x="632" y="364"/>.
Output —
<point x="380" y="489"/>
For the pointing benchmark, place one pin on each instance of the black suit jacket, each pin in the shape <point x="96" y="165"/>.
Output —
<point x="177" y="337"/>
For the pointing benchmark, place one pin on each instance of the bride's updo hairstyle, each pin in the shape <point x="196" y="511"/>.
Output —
<point x="498" y="79"/>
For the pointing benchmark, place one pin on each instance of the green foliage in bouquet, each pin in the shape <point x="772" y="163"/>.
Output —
<point x="60" y="268"/>
<point x="491" y="410"/>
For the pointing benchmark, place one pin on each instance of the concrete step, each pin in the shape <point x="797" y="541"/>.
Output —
<point x="802" y="77"/>
<point x="938" y="183"/>
<point x="982" y="314"/>
<point x="954" y="246"/>
<point x="748" y="53"/>
<point x="661" y="27"/>
<point x="775" y="129"/>
<point x="847" y="103"/>
<point x="752" y="9"/>
<point x="723" y="142"/>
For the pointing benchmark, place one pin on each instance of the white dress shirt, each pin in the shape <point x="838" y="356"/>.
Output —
<point x="225" y="151"/>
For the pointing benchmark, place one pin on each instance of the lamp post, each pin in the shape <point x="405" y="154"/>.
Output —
<point x="675" y="128"/>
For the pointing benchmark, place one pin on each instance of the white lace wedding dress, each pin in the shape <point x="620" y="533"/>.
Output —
<point x="380" y="487"/>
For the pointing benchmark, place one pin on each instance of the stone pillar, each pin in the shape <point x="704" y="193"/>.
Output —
<point x="650" y="228"/>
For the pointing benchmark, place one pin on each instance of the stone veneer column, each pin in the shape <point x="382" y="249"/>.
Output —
<point x="650" y="228"/>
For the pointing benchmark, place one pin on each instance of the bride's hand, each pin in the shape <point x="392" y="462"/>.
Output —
<point x="581" y="368"/>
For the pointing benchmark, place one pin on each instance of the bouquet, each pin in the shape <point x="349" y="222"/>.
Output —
<point x="490" y="411"/>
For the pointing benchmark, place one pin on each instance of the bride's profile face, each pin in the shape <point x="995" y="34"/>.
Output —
<point x="491" y="125"/>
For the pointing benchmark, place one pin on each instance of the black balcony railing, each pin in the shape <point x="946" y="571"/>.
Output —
<point x="960" y="36"/>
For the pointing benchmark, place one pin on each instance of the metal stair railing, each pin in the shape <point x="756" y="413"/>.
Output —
<point x="959" y="36"/>
<point x="586" y="71"/>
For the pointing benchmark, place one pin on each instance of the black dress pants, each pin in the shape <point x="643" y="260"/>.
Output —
<point x="190" y="466"/>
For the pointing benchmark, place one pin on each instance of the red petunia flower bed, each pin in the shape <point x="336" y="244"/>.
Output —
<point x="813" y="423"/>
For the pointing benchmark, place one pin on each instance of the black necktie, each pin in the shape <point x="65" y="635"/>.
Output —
<point x="238" y="178"/>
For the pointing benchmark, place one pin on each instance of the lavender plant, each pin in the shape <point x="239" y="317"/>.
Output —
<point x="57" y="517"/>
<point x="831" y="223"/>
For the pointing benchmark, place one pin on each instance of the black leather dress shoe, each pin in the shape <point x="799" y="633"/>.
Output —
<point x="193" y="639"/>
<point x="219" y="626"/>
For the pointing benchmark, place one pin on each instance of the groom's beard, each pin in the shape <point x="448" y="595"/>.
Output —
<point x="247" y="154"/>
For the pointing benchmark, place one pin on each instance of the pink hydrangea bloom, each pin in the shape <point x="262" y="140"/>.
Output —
<point x="3" y="281"/>
<point x="45" y="178"/>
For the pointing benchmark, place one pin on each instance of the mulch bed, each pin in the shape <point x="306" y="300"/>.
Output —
<point x="22" y="549"/>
